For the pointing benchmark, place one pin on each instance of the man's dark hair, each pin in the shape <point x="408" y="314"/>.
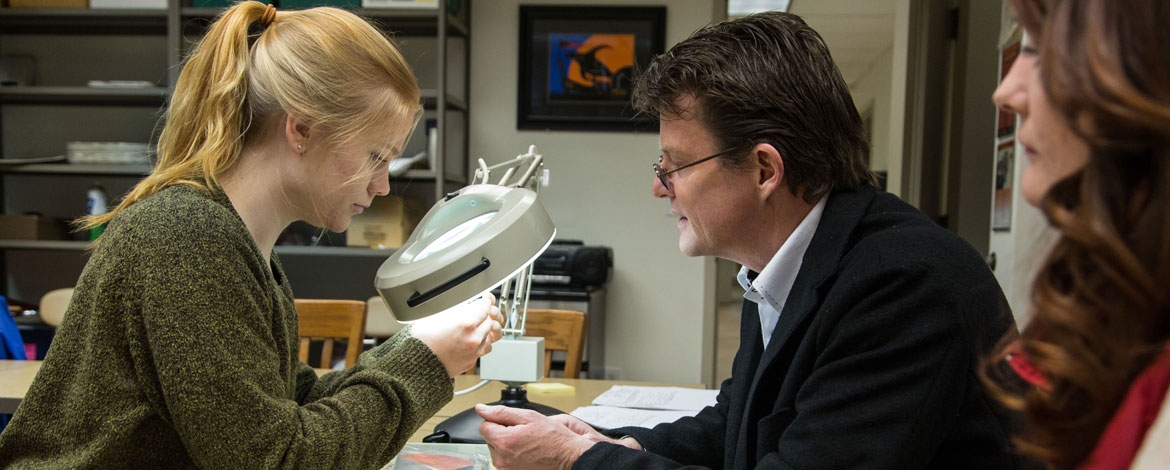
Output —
<point x="765" y="78"/>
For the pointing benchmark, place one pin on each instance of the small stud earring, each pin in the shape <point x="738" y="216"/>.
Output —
<point x="299" y="147"/>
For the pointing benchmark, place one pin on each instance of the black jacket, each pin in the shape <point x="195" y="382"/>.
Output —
<point x="872" y="365"/>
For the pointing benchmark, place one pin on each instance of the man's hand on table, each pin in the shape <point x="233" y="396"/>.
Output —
<point x="526" y="439"/>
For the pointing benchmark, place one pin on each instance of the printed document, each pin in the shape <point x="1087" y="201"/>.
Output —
<point x="657" y="398"/>
<point x="629" y="405"/>
<point x="615" y="417"/>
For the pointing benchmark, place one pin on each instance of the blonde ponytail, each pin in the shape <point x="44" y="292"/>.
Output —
<point x="204" y="121"/>
<point x="324" y="65"/>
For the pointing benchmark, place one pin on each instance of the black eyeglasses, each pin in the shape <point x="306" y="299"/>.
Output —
<point x="662" y="174"/>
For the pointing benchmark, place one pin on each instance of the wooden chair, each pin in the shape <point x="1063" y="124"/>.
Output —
<point x="380" y="321"/>
<point x="329" y="320"/>
<point x="53" y="305"/>
<point x="563" y="330"/>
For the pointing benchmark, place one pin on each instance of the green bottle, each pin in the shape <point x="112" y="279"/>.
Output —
<point x="96" y="200"/>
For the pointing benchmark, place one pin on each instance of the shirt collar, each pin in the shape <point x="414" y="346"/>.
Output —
<point x="772" y="284"/>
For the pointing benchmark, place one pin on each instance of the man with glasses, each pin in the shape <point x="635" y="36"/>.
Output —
<point x="863" y="322"/>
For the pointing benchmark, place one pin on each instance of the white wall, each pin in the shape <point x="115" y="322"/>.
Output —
<point x="896" y="116"/>
<point x="1020" y="250"/>
<point x="660" y="306"/>
<point x="871" y="95"/>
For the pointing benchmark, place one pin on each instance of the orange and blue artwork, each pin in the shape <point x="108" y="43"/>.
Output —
<point x="590" y="66"/>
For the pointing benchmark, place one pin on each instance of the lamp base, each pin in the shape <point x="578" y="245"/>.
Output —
<point x="463" y="428"/>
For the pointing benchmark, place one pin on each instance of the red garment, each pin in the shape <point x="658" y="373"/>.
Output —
<point x="1122" y="438"/>
<point x="1024" y="368"/>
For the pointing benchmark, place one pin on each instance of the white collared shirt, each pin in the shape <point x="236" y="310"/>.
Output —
<point x="769" y="290"/>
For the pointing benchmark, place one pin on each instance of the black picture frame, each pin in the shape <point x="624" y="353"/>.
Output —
<point x="578" y="64"/>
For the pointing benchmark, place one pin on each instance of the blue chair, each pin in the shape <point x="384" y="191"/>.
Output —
<point x="11" y="346"/>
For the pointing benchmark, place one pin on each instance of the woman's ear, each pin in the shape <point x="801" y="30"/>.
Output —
<point x="296" y="133"/>
<point x="769" y="168"/>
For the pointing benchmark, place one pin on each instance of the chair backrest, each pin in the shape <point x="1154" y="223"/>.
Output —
<point x="53" y="306"/>
<point x="331" y="319"/>
<point x="563" y="330"/>
<point x="380" y="321"/>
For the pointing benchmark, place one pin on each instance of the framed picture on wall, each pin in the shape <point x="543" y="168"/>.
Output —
<point x="577" y="65"/>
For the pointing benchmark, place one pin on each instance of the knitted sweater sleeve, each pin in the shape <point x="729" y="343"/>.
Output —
<point x="209" y="342"/>
<point x="311" y="387"/>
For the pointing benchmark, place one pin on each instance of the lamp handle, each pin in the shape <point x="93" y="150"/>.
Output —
<point x="417" y="299"/>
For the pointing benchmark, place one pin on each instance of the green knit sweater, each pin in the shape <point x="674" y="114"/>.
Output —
<point x="179" y="350"/>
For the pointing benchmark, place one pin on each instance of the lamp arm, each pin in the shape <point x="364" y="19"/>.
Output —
<point x="507" y="174"/>
<point x="527" y="292"/>
<point x="537" y="161"/>
<point x="509" y="315"/>
<point x="514" y="296"/>
<point x="482" y="170"/>
<point x="532" y="160"/>
<point x="513" y="310"/>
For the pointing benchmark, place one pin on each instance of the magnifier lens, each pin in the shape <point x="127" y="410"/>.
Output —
<point x="453" y="236"/>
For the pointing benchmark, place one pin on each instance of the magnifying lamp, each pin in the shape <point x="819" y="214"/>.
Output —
<point x="476" y="239"/>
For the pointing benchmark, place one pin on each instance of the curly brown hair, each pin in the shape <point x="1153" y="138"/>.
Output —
<point x="1101" y="306"/>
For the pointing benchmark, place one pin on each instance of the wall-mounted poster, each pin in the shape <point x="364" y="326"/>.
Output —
<point x="1007" y="121"/>
<point x="577" y="65"/>
<point x="1001" y="215"/>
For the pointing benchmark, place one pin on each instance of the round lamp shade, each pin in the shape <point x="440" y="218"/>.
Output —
<point x="468" y="243"/>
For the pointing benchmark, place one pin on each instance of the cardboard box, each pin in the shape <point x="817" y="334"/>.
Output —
<point x="386" y="224"/>
<point x="30" y="227"/>
<point x="48" y="3"/>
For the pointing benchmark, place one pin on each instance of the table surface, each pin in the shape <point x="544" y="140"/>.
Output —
<point x="17" y="376"/>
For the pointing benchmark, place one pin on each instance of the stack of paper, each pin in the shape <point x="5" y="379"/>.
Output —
<point x="657" y="398"/>
<point x="627" y="405"/>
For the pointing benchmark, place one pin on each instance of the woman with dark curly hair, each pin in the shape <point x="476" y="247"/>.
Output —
<point x="1093" y="94"/>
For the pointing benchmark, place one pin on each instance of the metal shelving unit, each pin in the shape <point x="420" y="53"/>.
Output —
<point x="71" y="245"/>
<point x="78" y="169"/>
<point x="174" y="25"/>
<point x="142" y="170"/>
<point x="151" y="96"/>
<point x="45" y="245"/>
<point x="82" y="21"/>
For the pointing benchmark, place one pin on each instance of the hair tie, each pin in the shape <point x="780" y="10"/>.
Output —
<point x="268" y="16"/>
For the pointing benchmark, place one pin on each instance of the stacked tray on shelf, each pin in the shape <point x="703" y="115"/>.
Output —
<point x="129" y="153"/>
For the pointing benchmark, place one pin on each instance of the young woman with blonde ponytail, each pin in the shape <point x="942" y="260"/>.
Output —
<point x="179" y="347"/>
